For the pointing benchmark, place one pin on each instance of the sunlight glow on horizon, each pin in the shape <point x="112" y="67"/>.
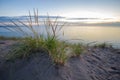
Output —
<point x="91" y="21"/>
<point x="87" y="14"/>
<point x="97" y="17"/>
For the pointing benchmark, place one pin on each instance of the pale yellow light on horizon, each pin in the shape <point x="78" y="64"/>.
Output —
<point x="111" y="20"/>
<point x="100" y="17"/>
<point x="86" y="14"/>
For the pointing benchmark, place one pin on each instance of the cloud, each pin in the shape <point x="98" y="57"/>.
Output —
<point x="71" y="21"/>
<point x="114" y="24"/>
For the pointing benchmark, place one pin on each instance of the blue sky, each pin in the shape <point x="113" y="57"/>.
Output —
<point x="67" y="8"/>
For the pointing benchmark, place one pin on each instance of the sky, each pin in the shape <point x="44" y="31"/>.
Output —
<point x="66" y="8"/>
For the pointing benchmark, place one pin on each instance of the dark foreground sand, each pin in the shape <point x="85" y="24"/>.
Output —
<point x="94" y="64"/>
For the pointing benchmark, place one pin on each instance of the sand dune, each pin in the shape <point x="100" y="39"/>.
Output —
<point x="94" y="64"/>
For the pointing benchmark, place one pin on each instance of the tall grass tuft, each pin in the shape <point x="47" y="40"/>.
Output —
<point x="33" y="43"/>
<point x="55" y="47"/>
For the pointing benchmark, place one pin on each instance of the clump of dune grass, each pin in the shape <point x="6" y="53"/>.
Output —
<point x="37" y="41"/>
<point x="29" y="43"/>
<point x="17" y="52"/>
<point x="77" y="49"/>
<point x="9" y="38"/>
<point x="58" y="53"/>
<point x="55" y="47"/>
<point x="33" y="43"/>
<point x="103" y="45"/>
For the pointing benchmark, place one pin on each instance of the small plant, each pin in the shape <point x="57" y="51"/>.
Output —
<point x="58" y="55"/>
<point x="19" y="51"/>
<point x="9" y="38"/>
<point x="103" y="45"/>
<point x="77" y="49"/>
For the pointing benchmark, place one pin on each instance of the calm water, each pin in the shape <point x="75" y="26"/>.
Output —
<point x="97" y="33"/>
<point x="87" y="34"/>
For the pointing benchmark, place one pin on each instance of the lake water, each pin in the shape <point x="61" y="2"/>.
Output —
<point x="86" y="33"/>
<point x="96" y="33"/>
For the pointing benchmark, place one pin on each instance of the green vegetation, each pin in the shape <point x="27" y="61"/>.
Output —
<point x="8" y="38"/>
<point x="19" y="51"/>
<point x="103" y="45"/>
<point x="77" y="49"/>
<point x="50" y="42"/>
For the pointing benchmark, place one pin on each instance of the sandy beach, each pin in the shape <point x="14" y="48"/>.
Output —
<point x="93" y="64"/>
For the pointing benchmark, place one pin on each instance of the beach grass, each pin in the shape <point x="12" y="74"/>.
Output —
<point x="34" y="43"/>
<point x="9" y="38"/>
<point x="103" y="45"/>
<point x="77" y="49"/>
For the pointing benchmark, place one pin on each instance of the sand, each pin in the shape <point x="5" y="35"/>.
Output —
<point x="93" y="64"/>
